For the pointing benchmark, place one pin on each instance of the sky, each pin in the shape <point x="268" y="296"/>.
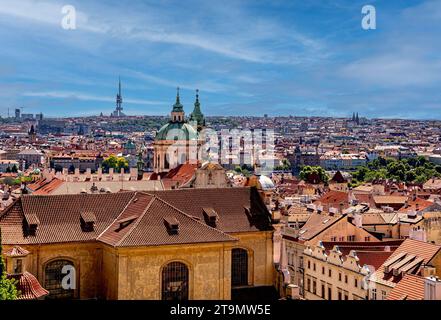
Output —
<point x="300" y="58"/>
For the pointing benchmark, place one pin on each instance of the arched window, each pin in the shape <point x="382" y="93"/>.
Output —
<point x="53" y="280"/>
<point x="175" y="281"/>
<point x="239" y="267"/>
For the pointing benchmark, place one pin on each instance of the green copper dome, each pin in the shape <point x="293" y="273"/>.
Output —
<point x="176" y="131"/>
<point x="130" y="145"/>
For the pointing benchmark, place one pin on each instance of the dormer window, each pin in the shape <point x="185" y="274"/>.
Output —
<point x="210" y="216"/>
<point x="88" y="220"/>
<point x="172" y="225"/>
<point x="126" y="221"/>
<point x="31" y="222"/>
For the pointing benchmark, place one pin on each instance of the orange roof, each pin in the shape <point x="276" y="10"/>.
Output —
<point x="28" y="286"/>
<point x="179" y="175"/>
<point x="334" y="198"/>
<point x="49" y="187"/>
<point x="412" y="204"/>
<point x="411" y="287"/>
<point x="424" y="250"/>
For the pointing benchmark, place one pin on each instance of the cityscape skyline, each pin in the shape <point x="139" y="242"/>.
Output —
<point x="247" y="58"/>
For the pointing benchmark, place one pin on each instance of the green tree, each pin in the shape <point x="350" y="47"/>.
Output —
<point x="116" y="163"/>
<point x="309" y="171"/>
<point x="8" y="290"/>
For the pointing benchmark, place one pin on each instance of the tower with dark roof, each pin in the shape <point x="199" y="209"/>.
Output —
<point x="197" y="117"/>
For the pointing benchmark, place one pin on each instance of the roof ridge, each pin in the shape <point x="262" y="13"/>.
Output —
<point x="5" y="210"/>
<point x="136" y="222"/>
<point x="195" y="220"/>
<point x="116" y="218"/>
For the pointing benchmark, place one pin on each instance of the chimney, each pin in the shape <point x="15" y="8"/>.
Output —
<point x="432" y="288"/>
<point x="418" y="233"/>
<point x="293" y="292"/>
<point x="77" y="172"/>
<point x="65" y="172"/>
<point x="111" y="173"/>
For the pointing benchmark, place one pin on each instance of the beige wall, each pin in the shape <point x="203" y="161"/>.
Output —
<point x="347" y="289"/>
<point x="139" y="271"/>
<point x="135" y="273"/>
<point x="261" y="271"/>
<point x="86" y="258"/>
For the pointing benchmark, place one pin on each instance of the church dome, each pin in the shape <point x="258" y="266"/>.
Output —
<point x="176" y="131"/>
<point x="266" y="183"/>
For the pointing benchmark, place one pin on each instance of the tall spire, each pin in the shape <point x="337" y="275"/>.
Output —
<point x="197" y="114"/>
<point x="178" y="107"/>
<point x="119" y="108"/>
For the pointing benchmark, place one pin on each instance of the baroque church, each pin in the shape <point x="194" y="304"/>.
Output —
<point x="178" y="141"/>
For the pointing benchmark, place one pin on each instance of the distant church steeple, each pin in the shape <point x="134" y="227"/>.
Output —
<point x="177" y="113"/>
<point x="197" y="115"/>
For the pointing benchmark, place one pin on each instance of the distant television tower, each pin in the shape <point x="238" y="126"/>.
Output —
<point x="119" y="108"/>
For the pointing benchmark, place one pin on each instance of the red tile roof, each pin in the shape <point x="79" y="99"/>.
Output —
<point x="334" y="198"/>
<point x="411" y="287"/>
<point x="16" y="251"/>
<point x="28" y="286"/>
<point x="370" y="253"/>
<point x="229" y="203"/>
<point x="49" y="187"/>
<point x="421" y="250"/>
<point x="134" y="218"/>
<point x="412" y="205"/>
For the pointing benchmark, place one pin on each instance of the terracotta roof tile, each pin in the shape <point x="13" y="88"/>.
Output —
<point x="411" y="287"/>
<point x="28" y="286"/>
<point x="134" y="218"/>
<point x="422" y="251"/>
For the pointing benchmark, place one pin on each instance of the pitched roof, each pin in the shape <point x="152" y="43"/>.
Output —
<point x="59" y="217"/>
<point x="334" y="198"/>
<point x="150" y="228"/>
<point x="369" y="253"/>
<point x="411" y="287"/>
<point x="16" y="251"/>
<point x="28" y="286"/>
<point x="390" y="199"/>
<point x="134" y="218"/>
<point x="338" y="178"/>
<point x="416" y="205"/>
<point x="316" y="224"/>
<point x="229" y="203"/>
<point x="47" y="187"/>
<point x="418" y="253"/>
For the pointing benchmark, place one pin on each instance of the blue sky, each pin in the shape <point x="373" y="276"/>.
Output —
<point x="308" y="57"/>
